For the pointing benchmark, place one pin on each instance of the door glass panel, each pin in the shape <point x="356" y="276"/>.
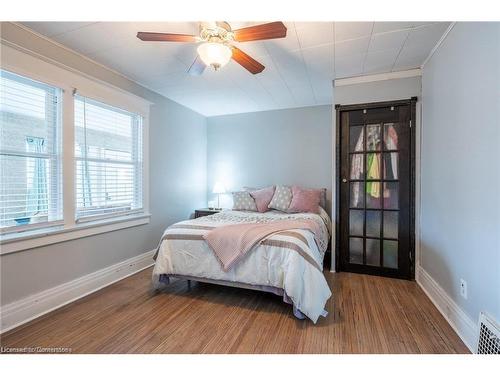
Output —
<point x="376" y="164"/>
<point x="391" y="132"/>
<point x="357" y="167"/>
<point x="356" y="250"/>
<point x="391" y="195"/>
<point x="373" y="223"/>
<point x="373" y="194"/>
<point x="372" y="252"/>
<point x="391" y="165"/>
<point x="356" y="219"/>
<point x="391" y="224"/>
<point x="356" y="138"/>
<point x="391" y="254"/>
<point x="356" y="194"/>
<point x="373" y="166"/>
<point x="373" y="138"/>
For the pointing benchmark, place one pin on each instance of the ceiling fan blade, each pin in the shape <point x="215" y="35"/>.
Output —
<point x="165" y="37"/>
<point x="250" y="64"/>
<point x="271" y="30"/>
<point x="197" y="67"/>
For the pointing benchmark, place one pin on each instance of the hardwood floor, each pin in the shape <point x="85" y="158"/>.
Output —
<point x="368" y="314"/>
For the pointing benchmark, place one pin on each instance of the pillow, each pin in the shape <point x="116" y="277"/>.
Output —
<point x="322" y="200"/>
<point x="305" y="200"/>
<point x="263" y="198"/>
<point x="281" y="198"/>
<point x="243" y="201"/>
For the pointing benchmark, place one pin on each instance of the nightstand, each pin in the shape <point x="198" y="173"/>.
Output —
<point x="205" y="212"/>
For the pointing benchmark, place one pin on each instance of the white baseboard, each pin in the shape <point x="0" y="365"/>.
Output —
<point x="31" y="307"/>
<point x="465" y="328"/>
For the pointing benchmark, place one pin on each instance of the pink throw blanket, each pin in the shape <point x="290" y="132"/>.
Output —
<point x="231" y="242"/>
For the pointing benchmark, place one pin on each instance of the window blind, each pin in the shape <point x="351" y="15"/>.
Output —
<point x="109" y="163"/>
<point x="30" y="157"/>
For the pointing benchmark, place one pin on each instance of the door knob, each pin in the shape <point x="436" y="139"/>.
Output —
<point x="344" y="180"/>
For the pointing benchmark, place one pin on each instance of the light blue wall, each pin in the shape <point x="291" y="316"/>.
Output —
<point x="178" y="160"/>
<point x="460" y="222"/>
<point x="291" y="146"/>
<point x="177" y="150"/>
<point x="177" y="187"/>
<point x="378" y="91"/>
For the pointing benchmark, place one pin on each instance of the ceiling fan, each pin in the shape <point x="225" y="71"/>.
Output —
<point x="217" y="49"/>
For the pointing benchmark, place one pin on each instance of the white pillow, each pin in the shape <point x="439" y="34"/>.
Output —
<point x="243" y="201"/>
<point x="282" y="198"/>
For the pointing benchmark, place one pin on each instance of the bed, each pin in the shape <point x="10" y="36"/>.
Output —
<point x="287" y="263"/>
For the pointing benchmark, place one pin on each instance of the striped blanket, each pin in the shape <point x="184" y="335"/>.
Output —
<point x="290" y="260"/>
<point x="231" y="243"/>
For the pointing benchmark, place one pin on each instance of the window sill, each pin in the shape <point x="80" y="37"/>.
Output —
<point x="14" y="242"/>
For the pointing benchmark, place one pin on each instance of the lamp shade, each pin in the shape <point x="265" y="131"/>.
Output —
<point x="219" y="188"/>
<point x="215" y="54"/>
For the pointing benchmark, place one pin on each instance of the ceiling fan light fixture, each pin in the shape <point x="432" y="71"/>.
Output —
<point x="214" y="54"/>
<point x="217" y="46"/>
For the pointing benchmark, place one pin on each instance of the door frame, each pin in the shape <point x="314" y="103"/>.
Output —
<point x="348" y="107"/>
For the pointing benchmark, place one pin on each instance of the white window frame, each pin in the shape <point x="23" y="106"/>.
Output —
<point x="56" y="189"/>
<point x="36" y="67"/>
<point x="85" y="218"/>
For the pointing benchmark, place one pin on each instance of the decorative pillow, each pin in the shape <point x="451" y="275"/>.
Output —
<point x="263" y="198"/>
<point x="243" y="201"/>
<point x="281" y="198"/>
<point x="305" y="200"/>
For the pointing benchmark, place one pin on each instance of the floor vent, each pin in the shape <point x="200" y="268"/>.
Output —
<point x="489" y="336"/>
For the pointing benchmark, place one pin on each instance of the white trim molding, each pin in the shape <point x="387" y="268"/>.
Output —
<point x="22" y="61"/>
<point x="465" y="328"/>
<point x="31" y="307"/>
<point x="47" y="236"/>
<point x="377" y="77"/>
<point x="21" y="48"/>
<point x="438" y="44"/>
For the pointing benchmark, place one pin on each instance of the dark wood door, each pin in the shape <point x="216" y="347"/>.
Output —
<point x="375" y="191"/>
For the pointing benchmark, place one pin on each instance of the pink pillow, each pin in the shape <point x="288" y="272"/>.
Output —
<point x="263" y="198"/>
<point x="305" y="200"/>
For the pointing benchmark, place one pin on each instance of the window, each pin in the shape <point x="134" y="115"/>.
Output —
<point x="30" y="157"/>
<point x="108" y="151"/>
<point x="70" y="166"/>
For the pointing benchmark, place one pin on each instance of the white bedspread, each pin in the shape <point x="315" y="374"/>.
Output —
<point x="291" y="261"/>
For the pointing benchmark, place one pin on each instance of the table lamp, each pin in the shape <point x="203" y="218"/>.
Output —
<point x="219" y="189"/>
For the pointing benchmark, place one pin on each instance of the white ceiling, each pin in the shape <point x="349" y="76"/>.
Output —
<point x="299" y="68"/>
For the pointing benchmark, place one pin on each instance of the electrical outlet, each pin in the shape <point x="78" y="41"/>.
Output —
<point x="463" y="288"/>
